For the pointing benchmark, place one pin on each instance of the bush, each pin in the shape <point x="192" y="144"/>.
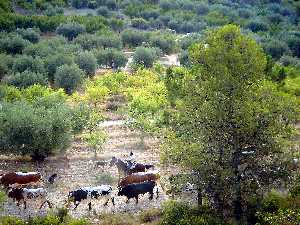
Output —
<point x="37" y="131"/>
<point x="25" y="62"/>
<point x="202" y="9"/>
<point x="6" y="62"/>
<point x="68" y="77"/>
<point x="79" y="3"/>
<point x="166" y="43"/>
<point x="29" y="34"/>
<point x="257" y="25"/>
<point x="175" y="213"/>
<point x="145" y="56"/>
<point x="103" y="11"/>
<point x="26" y="79"/>
<point x="139" y="23"/>
<point x="13" y="45"/>
<point x="276" y="48"/>
<point x="70" y="30"/>
<point x="54" y="61"/>
<point x="111" y="58"/>
<point x="87" y="63"/>
<point x="133" y="38"/>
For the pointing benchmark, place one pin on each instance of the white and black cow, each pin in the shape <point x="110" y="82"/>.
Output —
<point x="25" y="194"/>
<point x="134" y="190"/>
<point x="89" y="193"/>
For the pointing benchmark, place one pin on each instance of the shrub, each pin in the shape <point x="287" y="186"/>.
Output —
<point x="166" y="43"/>
<point x="70" y="30"/>
<point x="29" y="34"/>
<point x="184" y="58"/>
<point x="150" y="215"/>
<point x="13" y="45"/>
<point x="26" y="79"/>
<point x="79" y="3"/>
<point x="145" y="56"/>
<point x="34" y="130"/>
<point x="256" y="26"/>
<point x="87" y="63"/>
<point x="54" y="61"/>
<point x="6" y="62"/>
<point x="181" y="213"/>
<point x="133" y="38"/>
<point x="139" y="23"/>
<point x="103" y="11"/>
<point x="112" y="58"/>
<point x="202" y="8"/>
<point x="25" y="62"/>
<point x="68" y="77"/>
<point x="110" y="40"/>
<point x="276" y="48"/>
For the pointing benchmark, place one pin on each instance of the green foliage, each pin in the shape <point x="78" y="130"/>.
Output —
<point x="111" y="58"/>
<point x="26" y="79"/>
<point x="39" y="128"/>
<point x="179" y="213"/>
<point x="29" y="34"/>
<point x="87" y="63"/>
<point x="70" y="30"/>
<point x="292" y="85"/>
<point x="166" y="43"/>
<point x="145" y="57"/>
<point x="47" y="220"/>
<point x="68" y="77"/>
<point x="2" y="198"/>
<point x="133" y="38"/>
<point x="25" y="62"/>
<point x="80" y="117"/>
<point x="13" y="44"/>
<point x="52" y="62"/>
<point x="229" y="116"/>
<point x="6" y="62"/>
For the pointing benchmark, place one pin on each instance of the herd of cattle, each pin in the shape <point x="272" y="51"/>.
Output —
<point x="134" y="180"/>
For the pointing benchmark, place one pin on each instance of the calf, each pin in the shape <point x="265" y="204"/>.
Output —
<point x="25" y="194"/>
<point x="89" y="193"/>
<point x="134" y="190"/>
<point x="139" y="178"/>
<point x="19" y="178"/>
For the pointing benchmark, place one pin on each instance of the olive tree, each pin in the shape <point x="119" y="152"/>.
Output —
<point x="70" y="30"/>
<point x="68" y="77"/>
<point x="26" y="79"/>
<point x="87" y="63"/>
<point x="145" y="56"/>
<point x="111" y="58"/>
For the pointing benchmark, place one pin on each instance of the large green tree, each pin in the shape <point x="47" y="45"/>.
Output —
<point x="228" y="126"/>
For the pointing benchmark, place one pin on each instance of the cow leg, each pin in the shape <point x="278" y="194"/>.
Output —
<point x="127" y="200"/>
<point x="76" y="205"/>
<point x="42" y="205"/>
<point x="49" y="204"/>
<point x="157" y="192"/>
<point x="25" y="205"/>
<point x="107" y="200"/>
<point x="113" y="200"/>
<point x="90" y="206"/>
<point x="136" y="199"/>
<point x="151" y="195"/>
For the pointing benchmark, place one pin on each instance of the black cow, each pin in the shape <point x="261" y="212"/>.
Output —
<point x="89" y="193"/>
<point x="134" y="190"/>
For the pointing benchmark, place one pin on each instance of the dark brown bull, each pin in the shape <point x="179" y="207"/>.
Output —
<point x="19" y="178"/>
<point x="139" y="178"/>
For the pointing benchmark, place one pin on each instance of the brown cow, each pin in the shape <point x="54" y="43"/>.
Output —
<point x="139" y="178"/>
<point x="19" y="178"/>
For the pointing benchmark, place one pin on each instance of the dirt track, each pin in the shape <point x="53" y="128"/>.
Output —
<point x="76" y="168"/>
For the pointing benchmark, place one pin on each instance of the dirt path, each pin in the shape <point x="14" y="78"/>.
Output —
<point x="76" y="168"/>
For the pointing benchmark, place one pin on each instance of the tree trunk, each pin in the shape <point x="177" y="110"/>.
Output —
<point x="199" y="197"/>
<point x="237" y="204"/>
